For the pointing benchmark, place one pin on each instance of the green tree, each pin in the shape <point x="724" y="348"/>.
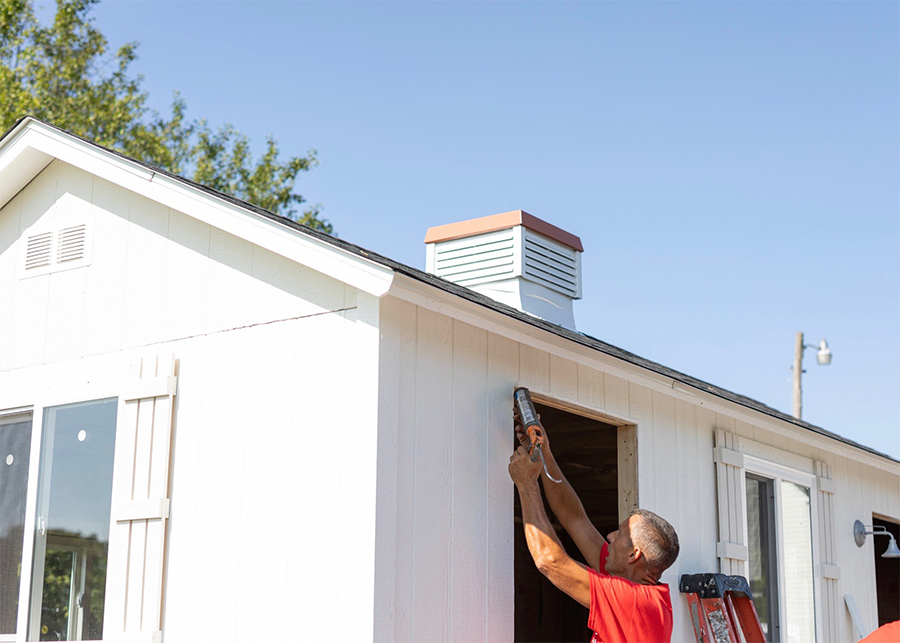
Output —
<point x="63" y="73"/>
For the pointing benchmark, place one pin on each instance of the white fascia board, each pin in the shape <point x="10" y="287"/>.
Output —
<point x="445" y="303"/>
<point x="19" y="164"/>
<point x="27" y="151"/>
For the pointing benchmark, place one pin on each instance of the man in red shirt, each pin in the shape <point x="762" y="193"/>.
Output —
<point x="621" y="588"/>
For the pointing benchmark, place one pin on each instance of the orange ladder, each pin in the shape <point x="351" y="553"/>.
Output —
<point x="721" y="607"/>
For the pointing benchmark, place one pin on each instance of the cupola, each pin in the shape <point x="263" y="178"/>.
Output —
<point x="514" y="258"/>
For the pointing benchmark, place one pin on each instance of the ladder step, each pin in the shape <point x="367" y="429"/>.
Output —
<point x="721" y="606"/>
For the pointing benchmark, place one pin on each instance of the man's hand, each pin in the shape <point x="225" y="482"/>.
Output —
<point x="521" y="469"/>
<point x="523" y="437"/>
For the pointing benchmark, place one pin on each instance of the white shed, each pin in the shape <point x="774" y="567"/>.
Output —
<point x="218" y="425"/>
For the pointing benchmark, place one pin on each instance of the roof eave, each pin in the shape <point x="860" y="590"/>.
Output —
<point x="31" y="145"/>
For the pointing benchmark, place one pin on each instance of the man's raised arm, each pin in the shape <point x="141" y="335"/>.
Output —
<point x="566" y="505"/>
<point x="547" y="551"/>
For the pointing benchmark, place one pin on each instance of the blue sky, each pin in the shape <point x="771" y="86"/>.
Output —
<point x="732" y="168"/>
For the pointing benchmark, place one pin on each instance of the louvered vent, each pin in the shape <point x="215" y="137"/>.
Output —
<point x="71" y="243"/>
<point x="53" y="250"/>
<point x="39" y="250"/>
<point x="475" y="259"/>
<point x="514" y="258"/>
<point x="551" y="264"/>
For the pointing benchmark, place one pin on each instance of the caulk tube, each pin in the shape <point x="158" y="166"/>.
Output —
<point x="527" y="415"/>
<point x="529" y="419"/>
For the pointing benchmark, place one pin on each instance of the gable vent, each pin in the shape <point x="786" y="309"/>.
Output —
<point x="62" y="248"/>
<point x="71" y="243"/>
<point x="38" y="250"/>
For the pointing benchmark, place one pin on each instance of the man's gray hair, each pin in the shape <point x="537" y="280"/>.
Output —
<point x="657" y="539"/>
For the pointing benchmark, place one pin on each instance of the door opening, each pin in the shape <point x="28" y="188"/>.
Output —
<point x="587" y="452"/>
<point x="887" y="576"/>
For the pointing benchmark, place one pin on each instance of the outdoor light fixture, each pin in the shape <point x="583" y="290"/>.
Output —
<point x="823" y="356"/>
<point x="860" y="531"/>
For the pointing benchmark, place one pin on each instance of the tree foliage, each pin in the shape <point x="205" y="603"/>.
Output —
<point x="64" y="73"/>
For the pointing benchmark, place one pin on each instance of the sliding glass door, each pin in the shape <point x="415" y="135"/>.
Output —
<point x="781" y="542"/>
<point x="72" y="521"/>
<point x="15" y="453"/>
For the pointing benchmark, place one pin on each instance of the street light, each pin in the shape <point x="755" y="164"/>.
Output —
<point x="823" y="356"/>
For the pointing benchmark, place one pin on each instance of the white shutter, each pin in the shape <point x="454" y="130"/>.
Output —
<point x="140" y="505"/>
<point x="732" y="547"/>
<point x="828" y="569"/>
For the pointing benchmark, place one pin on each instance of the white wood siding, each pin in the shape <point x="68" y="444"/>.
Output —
<point x="326" y="443"/>
<point x="445" y="552"/>
<point x="271" y="530"/>
<point x="445" y="540"/>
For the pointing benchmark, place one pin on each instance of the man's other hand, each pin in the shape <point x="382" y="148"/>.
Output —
<point x="521" y="469"/>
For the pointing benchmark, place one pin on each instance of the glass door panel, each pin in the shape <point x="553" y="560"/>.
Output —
<point x="15" y="453"/>
<point x="799" y="599"/>
<point x="73" y="513"/>
<point x="763" y="576"/>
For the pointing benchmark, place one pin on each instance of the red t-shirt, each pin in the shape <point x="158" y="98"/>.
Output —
<point x="887" y="633"/>
<point x="628" y="612"/>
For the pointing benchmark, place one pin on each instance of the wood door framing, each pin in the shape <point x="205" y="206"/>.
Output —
<point x="627" y="451"/>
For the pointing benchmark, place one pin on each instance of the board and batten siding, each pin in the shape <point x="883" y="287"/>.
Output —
<point x="444" y="538"/>
<point x="271" y="530"/>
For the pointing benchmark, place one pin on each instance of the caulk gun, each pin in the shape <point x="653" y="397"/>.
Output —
<point x="532" y="427"/>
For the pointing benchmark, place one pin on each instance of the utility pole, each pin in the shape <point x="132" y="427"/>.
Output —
<point x="798" y="371"/>
<point x="823" y="357"/>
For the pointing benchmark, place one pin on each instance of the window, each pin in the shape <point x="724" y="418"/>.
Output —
<point x="72" y="521"/>
<point x="15" y="445"/>
<point x="780" y="542"/>
<point x="74" y="540"/>
<point x="65" y="550"/>
<point x="762" y="574"/>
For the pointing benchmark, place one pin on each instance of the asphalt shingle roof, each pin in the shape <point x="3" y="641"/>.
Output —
<point x="487" y="302"/>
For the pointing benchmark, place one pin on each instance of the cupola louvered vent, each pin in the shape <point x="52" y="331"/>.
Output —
<point x="53" y="250"/>
<point x="474" y="259"/>
<point x="514" y="258"/>
<point x="551" y="264"/>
